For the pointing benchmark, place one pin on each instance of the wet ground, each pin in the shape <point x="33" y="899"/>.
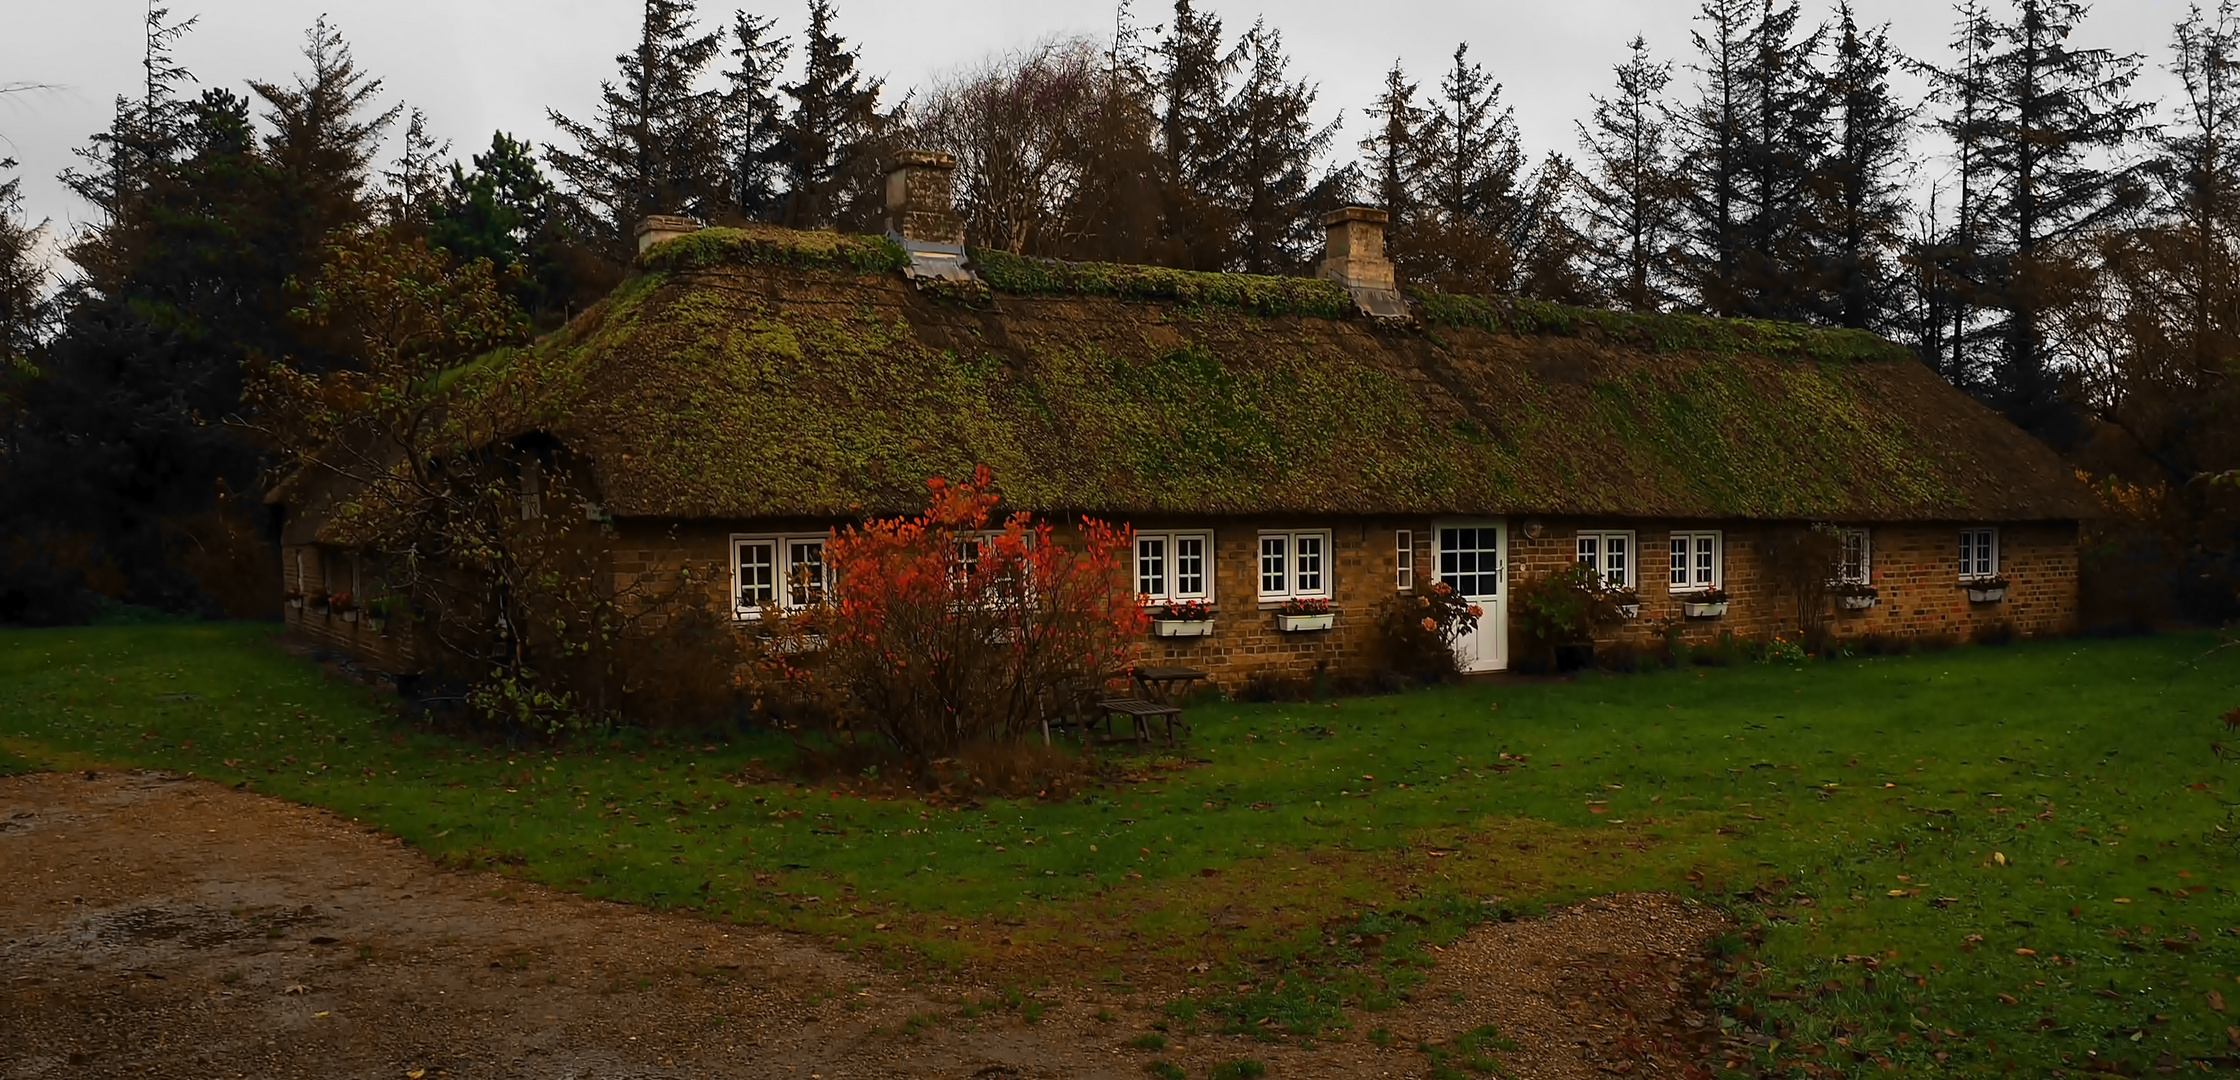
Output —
<point x="154" y="926"/>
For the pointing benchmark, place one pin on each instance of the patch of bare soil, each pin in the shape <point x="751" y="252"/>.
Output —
<point x="151" y="926"/>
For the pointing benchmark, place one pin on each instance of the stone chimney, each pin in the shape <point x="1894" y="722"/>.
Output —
<point x="922" y="217"/>
<point x="662" y="228"/>
<point x="1355" y="258"/>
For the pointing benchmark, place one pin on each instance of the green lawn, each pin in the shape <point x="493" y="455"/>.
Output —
<point x="1949" y="862"/>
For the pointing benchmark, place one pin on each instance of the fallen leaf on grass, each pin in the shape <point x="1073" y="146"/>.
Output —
<point x="2026" y="952"/>
<point x="2009" y="999"/>
<point x="296" y="988"/>
<point x="2216" y="1001"/>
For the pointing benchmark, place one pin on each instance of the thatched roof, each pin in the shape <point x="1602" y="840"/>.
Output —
<point x="753" y="373"/>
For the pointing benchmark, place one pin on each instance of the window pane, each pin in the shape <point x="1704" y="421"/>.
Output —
<point x="758" y="574"/>
<point x="1470" y="561"/>
<point x="1704" y="545"/>
<point x="1405" y="560"/>
<point x="1275" y="576"/>
<point x="1679" y="575"/>
<point x="1614" y="560"/>
<point x="1310" y="564"/>
<point x="805" y="570"/>
<point x="1190" y="565"/>
<point x="1151" y="566"/>
<point x="1590" y="551"/>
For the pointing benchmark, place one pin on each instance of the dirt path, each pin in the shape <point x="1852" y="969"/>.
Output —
<point x="151" y="926"/>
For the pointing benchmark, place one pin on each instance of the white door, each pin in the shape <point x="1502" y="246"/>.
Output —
<point x="1469" y="557"/>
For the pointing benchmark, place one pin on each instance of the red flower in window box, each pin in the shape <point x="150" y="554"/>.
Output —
<point x="1306" y="605"/>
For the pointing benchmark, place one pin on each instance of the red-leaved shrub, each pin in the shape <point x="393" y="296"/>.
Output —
<point x="949" y="628"/>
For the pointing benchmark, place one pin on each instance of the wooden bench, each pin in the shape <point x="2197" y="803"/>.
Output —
<point x="1140" y="713"/>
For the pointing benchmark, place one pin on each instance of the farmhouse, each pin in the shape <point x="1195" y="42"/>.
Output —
<point x="1273" y="440"/>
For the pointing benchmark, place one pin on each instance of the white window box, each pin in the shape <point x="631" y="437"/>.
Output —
<point x="350" y="616"/>
<point x="1181" y="628"/>
<point x="1299" y="624"/>
<point x="1988" y="594"/>
<point x="1856" y="603"/>
<point x="1694" y="610"/>
<point x="379" y="624"/>
<point x="1629" y="611"/>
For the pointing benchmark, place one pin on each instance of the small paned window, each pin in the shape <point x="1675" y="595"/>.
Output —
<point x="1404" y="560"/>
<point x="788" y="571"/>
<point x="1979" y="553"/>
<point x="1294" y="564"/>
<point x="1855" y="558"/>
<point x="1174" y="566"/>
<point x="1698" y="560"/>
<point x="1611" y="553"/>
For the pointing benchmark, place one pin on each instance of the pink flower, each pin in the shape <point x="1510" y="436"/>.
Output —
<point x="1477" y="612"/>
<point x="1431" y="625"/>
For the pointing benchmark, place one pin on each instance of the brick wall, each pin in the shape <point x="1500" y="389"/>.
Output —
<point x="315" y="571"/>
<point x="1916" y="568"/>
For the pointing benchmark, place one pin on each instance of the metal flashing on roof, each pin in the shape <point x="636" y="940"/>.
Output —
<point x="933" y="261"/>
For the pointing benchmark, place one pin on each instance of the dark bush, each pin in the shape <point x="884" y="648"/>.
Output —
<point x="1416" y="633"/>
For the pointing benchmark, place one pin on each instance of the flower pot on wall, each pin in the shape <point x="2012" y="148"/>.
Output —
<point x="1695" y="610"/>
<point x="1294" y="624"/>
<point x="1175" y="628"/>
<point x="1991" y="595"/>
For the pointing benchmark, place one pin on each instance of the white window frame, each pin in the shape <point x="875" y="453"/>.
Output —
<point x="1287" y="573"/>
<point x="1404" y="560"/>
<point x="1686" y="575"/>
<point x="1979" y="553"/>
<point x="1850" y="541"/>
<point x="1594" y="549"/>
<point x="782" y="567"/>
<point x="1169" y="572"/>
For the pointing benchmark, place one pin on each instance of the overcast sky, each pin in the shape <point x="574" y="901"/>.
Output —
<point x="480" y="65"/>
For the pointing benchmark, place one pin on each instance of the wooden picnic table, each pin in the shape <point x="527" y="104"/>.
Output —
<point x="1166" y="686"/>
<point x="1139" y="713"/>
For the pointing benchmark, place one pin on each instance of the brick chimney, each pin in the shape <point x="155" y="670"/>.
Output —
<point x="662" y="228"/>
<point x="1354" y="257"/>
<point x="922" y="217"/>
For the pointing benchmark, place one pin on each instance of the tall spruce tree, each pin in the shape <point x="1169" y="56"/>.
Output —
<point x="1947" y="255"/>
<point x="834" y="136"/>
<point x="1392" y="155"/>
<point x="657" y="144"/>
<point x="1711" y="147"/>
<point x="1749" y="150"/>
<point x="1267" y="170"/>
<point x="1626" y="195"/>
<point x="507" y="211"/>
<point x="24" y="306"/>
<point x="415" y="178"/>
<point x="1473" y="201"/>
<point x="1861" y="204"/>
<point x="755" y="119"/>
<point x="323" y="139"/>
<point x="2053" y="115"/>
<point x="1194" y="79"/>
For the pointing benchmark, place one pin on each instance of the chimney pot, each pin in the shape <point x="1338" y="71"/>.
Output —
<point x="1354" y="257"/>
<point x="922" y="215"/>
<point x="662" y="228"/>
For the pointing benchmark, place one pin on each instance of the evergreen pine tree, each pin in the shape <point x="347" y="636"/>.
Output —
<point x="1626" y="196"/>
<point x="755" y="120"/>
<point x="2053" y="115"/>
<point x="23" y="283"/>
<point x="834" y="137"/>
<point x="1711" y="147"/>
<point x="1266" y="171"/>
<point x="1473" y="205"/>
<point x="1948" y="256"/>
<point x="507" y="211"/>
<point x="1194" y="79"/>
<point x="657" y="145"/>
<point x="1784" y="146"/>
<point x="416" y="177"/>
<point x="1393" y="154"/>
<point x="323" y="141"/>
<point x="1861" y="206"/>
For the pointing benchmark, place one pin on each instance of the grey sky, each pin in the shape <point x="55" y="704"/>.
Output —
<point x="480" y="65"/>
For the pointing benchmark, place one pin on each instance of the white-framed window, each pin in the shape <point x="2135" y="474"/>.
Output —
<point x="1698" y="561"/>
<point x="1979" y="553"/>
<point x="1854" y="557"/>
<point x="1611" y="553"/>
<point x="1174" y="566"/>
<point x="788" y="571"/>
<point x="1294" y="564"/>
<point x="1404" y="560"/>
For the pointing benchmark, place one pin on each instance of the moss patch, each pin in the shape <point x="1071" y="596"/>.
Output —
<point x="1259" y="295"/>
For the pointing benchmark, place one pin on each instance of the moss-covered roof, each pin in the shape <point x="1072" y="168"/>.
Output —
<point x="751" y="373"/>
